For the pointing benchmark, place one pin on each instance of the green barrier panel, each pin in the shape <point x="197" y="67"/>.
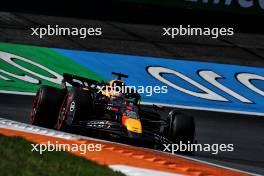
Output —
<point x="45" y="64"/>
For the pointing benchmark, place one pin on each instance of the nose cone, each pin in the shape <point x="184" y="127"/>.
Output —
<point x="132" y="125"/>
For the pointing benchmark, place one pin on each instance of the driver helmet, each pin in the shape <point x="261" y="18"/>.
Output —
<point x="117" y="96"/>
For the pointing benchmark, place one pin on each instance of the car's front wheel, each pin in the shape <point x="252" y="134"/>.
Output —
<point x="181" y="128"/>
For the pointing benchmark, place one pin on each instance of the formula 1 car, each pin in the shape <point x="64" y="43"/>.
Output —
<point x="94" y="106"/>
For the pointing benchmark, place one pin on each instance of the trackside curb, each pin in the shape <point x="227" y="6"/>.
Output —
<point x="114" y="155"/>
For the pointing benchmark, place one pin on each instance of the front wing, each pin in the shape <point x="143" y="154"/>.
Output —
<point x="116" y="128"/>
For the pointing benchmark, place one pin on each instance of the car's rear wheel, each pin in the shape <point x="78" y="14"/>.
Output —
<point x="76" y="106"/>
<point x="46" y="105"/>
<point x="61" y="124"/>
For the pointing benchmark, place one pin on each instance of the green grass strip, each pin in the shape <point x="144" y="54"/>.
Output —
<point x="16" y="158"/>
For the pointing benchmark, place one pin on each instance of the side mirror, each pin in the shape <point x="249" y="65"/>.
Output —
<point x="158" y="107"/>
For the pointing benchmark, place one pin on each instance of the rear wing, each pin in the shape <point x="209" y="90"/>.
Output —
<point x="77" y="81"/>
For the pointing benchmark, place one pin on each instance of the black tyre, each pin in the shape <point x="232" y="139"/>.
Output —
<point x="181" y="128"/>
<point x="77" y="105"/>
<point x="46" y="105"/>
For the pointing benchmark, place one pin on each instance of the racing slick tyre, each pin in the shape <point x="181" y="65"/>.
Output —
<point x="76" y="106"/>
<point x="181" y="128"/>
<point x="46" y="105"/>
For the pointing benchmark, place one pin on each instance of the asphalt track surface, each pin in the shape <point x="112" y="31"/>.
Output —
<point x="244" y="131"/>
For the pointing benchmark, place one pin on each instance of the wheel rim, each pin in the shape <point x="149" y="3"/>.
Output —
<point x="35" y="106"/>
<point x="63" y="112"/>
